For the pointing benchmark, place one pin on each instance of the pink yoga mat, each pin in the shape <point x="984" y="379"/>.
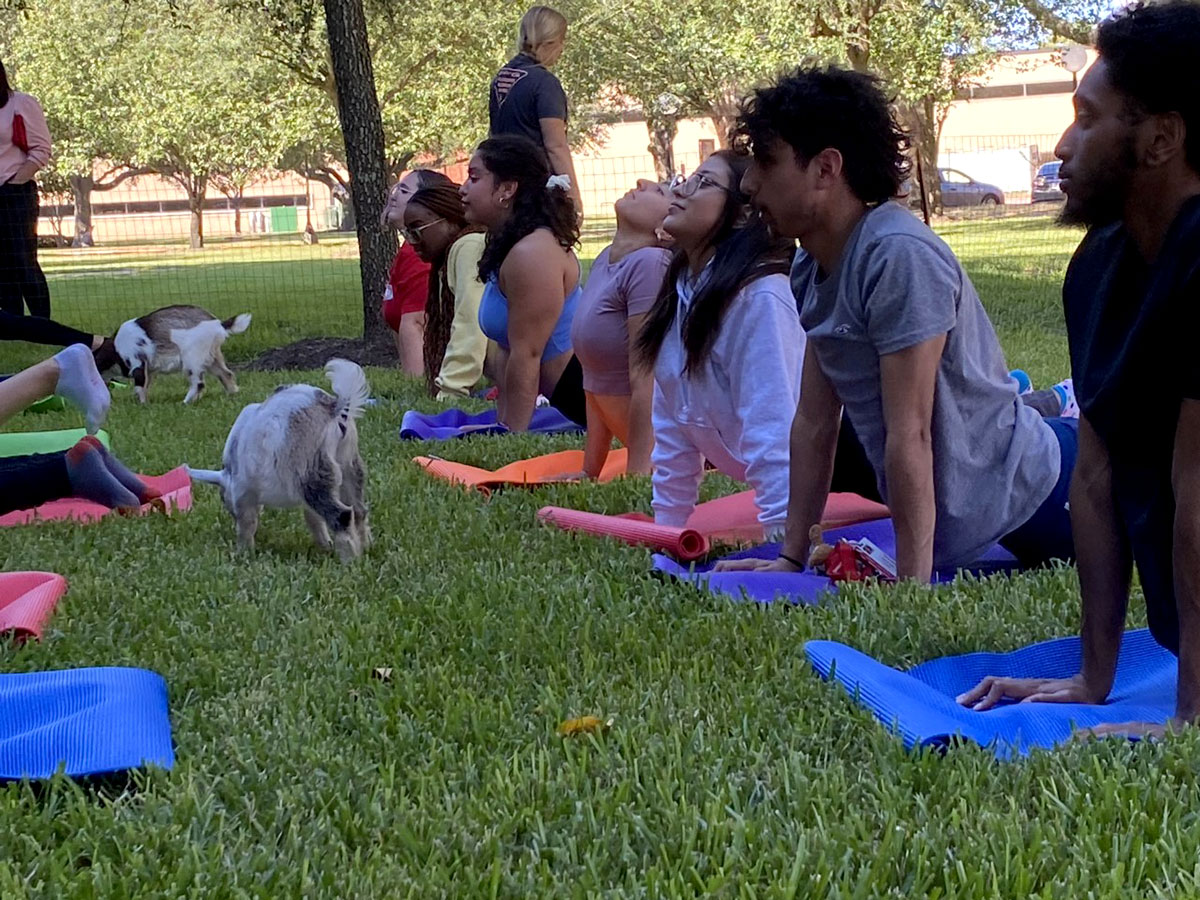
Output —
<point x="175" y="486"/>
<point x="682" y="543"/>
<point x="731" y="519"/>
<point x="26" y="601"/>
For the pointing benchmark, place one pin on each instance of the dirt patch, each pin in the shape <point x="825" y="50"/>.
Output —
<point x="313" y="353"/>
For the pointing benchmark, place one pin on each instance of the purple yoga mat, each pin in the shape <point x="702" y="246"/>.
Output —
<point x="454" y="423"/>
<point x="807" y="588"/>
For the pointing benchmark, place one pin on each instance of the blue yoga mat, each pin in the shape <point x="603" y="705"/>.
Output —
<point x="87" y="721"/>
<point x="919" y="704"/>
<point x="807" y="588"/>
<point x="454" y="423"/>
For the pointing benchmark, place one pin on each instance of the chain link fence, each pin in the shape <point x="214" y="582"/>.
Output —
<point x="283" y="247"/>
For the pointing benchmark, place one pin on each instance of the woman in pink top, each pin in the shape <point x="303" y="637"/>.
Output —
<point x="624" y="281"/>
<point x="24" y="149"/>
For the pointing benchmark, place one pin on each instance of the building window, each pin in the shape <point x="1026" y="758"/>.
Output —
<point x="707" y="148"/>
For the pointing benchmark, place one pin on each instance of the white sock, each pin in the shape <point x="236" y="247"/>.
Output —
<point x="80" y="383"/>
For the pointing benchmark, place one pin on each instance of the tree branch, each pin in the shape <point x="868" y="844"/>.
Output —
<point x="100" y="185"/>
<point x="1043" y="15"/>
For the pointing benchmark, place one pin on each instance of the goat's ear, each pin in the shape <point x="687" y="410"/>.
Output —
<point x="139" y="375"/>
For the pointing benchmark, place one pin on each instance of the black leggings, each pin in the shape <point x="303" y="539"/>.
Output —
<point x="37" y="330"/>
<point x="21" y="280"/>
<point x="29" y="481"/>
<point x="568" y="397"/>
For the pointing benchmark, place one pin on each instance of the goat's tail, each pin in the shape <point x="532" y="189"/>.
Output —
<point x="349" y="386"/>
<point x="208" y="476"/>
<point x="237" y="324"/>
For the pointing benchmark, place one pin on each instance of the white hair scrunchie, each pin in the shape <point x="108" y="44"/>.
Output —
<point x="561" y="182"/>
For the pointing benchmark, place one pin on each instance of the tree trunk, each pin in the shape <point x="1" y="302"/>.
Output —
<point x="921" y="123"/>
<point x="724" y="111"/>
<point x="662" y="131"/>
<point x="362" y="130"/>
<point x="196" y="191"/>
<point x="236" y="200"/>
<point x="81" y="190"/>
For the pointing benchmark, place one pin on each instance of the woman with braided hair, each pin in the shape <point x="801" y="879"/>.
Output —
<point x="455" y="348"/>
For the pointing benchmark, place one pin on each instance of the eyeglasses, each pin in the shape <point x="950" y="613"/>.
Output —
<point x="686" y="187"/>
<point x="413" y="235"/>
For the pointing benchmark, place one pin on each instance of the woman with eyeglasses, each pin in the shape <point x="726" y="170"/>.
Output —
<point x="403" y="307"/>
<point x="531" y="277"/>
<point x="725" y="345"/>
<point x="455" y="348"/>
<point x="621" y="288"/>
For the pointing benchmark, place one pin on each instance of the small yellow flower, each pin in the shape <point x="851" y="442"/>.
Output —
<point x="583" y="725"/>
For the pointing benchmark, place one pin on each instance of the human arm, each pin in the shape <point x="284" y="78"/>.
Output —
<point x="533" y="283"/>
<point x="678" y="466"/>
<point x="1105" y="565"/>
<point x="908" y="380"/>
<point x="462" y="364"/>
<point x="762" y="354"/>
<point x="554" y="137"/>
<point x="812" y="447"/>
<point x="37" y="135"/>
<point x="597" y="441"/>
<point x="641" y="401"/>
<point x="1185" y="482"/>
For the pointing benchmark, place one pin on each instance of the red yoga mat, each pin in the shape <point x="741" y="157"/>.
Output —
<point x="522" y="473"/>
<point x="175" y="487"/>
<point x="731" y="519"/>
<point x="26" y="601"/>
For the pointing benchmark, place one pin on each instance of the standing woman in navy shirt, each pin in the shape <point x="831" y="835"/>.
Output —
<point x="24" y="149"/>
<point x="527" y="99"/>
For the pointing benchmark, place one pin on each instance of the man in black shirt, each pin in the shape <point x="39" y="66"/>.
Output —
<point x="1131" y="172"/>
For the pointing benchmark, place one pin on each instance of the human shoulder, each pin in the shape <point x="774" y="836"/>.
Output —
<point x="891" y="230"/>
<point x="536" y="255"/>
<point x="653" y="258"/>
<point x="774" y="288"/>
<point x="469" y="244"/>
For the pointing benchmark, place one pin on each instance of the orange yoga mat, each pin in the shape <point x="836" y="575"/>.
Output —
<point x="524" y="472"/>
<point x="26" y="601"/>
<point x="732" y="519"/>
<point x="175" y="486"/>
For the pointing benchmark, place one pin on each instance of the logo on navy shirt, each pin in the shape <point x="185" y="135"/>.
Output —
<point x="506" y="79"/>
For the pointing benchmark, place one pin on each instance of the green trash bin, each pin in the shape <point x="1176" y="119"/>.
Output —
<point x="284" y="218"/>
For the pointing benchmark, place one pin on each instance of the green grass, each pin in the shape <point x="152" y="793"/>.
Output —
<point x="730" y="769"/>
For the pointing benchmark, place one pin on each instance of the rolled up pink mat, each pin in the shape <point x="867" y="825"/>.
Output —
<point x="682" y="543"/>
<point x="732" y="519"/>
<point x="26" y="601"/>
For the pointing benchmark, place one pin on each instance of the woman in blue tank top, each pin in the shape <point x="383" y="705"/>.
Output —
<point x="531" y="276"/>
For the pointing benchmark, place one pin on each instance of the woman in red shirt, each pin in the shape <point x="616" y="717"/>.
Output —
<point x="408" y="281"/>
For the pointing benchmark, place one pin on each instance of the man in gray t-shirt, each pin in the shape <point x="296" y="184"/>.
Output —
<point x="897" y="341"/>
<point x="896" y="286"/>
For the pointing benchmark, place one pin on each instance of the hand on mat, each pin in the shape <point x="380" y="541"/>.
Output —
<point x="1128" y="730"/>
<point x="755" y="565"/>
<point x="993" y="689"/>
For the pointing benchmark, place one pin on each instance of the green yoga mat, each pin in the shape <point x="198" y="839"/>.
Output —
<point x="53" y="403"/>
<point x="25" y="443"/>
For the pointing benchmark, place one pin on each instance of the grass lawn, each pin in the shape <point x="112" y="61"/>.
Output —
<point x="730" y="769"/>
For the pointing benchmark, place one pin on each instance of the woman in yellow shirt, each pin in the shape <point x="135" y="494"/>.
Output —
<point x="455" y="347"/>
